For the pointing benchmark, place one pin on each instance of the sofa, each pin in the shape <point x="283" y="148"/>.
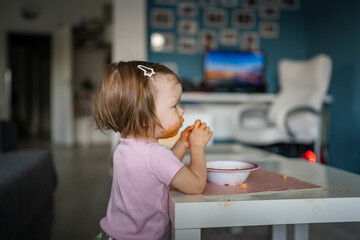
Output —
<point x="27" y="184"/>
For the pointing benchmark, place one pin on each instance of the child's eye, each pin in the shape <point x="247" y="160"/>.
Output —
<point x="175" y="106"/>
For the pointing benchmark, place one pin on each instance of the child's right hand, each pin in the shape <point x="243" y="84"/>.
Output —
<point x="200" y="135"/>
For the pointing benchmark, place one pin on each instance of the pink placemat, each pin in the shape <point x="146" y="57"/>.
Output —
<point x="260" y="181"/>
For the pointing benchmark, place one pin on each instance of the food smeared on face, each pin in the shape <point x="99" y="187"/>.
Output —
<point x="172" y="130"/>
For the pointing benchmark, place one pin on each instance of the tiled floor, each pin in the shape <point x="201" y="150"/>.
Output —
<point x="83" y="190"/>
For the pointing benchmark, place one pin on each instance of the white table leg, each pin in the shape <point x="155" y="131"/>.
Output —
<point x="301" y="232"/>
<point x="279" y="232"/>
<point x="186" y="234"/>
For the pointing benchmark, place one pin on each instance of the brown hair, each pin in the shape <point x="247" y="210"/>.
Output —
<point x="124" y="100"/>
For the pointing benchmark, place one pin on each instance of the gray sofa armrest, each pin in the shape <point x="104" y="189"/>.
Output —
<point x="27" y="181"/>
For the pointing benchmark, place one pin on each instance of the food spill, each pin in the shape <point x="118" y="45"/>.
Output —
<point x="227" y="203"/>
<point x="173" y="130"/>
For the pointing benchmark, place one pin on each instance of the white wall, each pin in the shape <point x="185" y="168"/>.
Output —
<point x="129" y="39"/>
<point x="61" y="93"/>
<point x="129" y="36"/>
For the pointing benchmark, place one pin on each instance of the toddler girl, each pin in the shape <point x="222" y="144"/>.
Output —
<point x="141" y="101"/>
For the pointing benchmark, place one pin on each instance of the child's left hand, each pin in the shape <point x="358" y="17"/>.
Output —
<point x="184" y="137"/>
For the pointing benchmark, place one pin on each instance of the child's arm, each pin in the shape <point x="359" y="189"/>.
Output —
<point x="192" y="180"/>
<point x="182" y="144"/>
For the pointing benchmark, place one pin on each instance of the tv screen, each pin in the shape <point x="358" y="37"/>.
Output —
<point x="234" y="69"/>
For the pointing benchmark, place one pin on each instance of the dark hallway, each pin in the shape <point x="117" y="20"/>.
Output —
<point x="29" y="61"/>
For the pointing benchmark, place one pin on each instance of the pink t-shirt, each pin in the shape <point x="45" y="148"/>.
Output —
<point x="138" y="206"/>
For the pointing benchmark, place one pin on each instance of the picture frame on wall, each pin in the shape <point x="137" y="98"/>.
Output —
<point x="229" y="37"/>
<point x="269" y="12"/>
<point x="229" y="3"/>
<point x="290" y="4"/>
<point x="187" y="45"/>
<point x="250" y="4"/>
<point x="244" y="19"/>
<point x="162" y="42"/>
<point x="162" y="18"/>
<point x="208" y="39"/>
<point x="215" y="17"/>
<point x="187" y="27"/>
<point x="269" y="29"/>
<point x="187" y="9"/>
<point x="165" y="2"/>
<point x="250" y="41"/>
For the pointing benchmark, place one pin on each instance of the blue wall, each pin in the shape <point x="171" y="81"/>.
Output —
<point x="333" y="29"/>
<point x="291" y="43"/>
<point x="328" y="26"/>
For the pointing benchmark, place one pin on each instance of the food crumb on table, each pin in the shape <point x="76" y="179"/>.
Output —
<point x="243" y="185"/>
<point x="284" y="176"/>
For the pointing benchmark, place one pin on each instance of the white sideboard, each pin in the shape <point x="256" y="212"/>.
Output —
<point x="220" y="106"/>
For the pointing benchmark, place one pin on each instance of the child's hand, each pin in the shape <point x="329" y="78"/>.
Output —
<point x="200" y="135"/>
<point x="184" y="137"/>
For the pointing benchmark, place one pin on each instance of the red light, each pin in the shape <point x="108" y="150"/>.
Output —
<point x="310" y="156"/>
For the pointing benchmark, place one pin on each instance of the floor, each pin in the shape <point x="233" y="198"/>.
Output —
<point x="83" y="190"/>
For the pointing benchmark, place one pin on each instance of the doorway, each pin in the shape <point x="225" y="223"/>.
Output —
<point x="29" y="62"/>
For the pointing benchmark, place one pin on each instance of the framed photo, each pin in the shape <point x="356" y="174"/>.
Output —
<point x="251" y="4"/>
<point x="162" y="18"/>
<point x="168" y="2"/>
<point x="290" y="4"/>
<point x="187" y="9"/>
<point x="187" y="27"/>
<point x="250" y="41"/>
<point x="208" y="3"/>
<point x="215" y="17"/>
<point x="229" y="3"/>
<point x="162" y="42"/>
<point x="229" y="37"/>
<point x="208" y="40"/>
<point x="269" y="12"/>
<point x="187" y="45"/>
<point x="244" y="18"/>
<point x="269" y="29"/>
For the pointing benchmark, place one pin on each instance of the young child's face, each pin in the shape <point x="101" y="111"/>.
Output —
<point x="168" y="110"/>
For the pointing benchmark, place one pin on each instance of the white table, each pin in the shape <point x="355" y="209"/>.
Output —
<point x="337" y="201"/>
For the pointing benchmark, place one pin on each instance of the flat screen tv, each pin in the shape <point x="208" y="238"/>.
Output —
<point x="235" y="70"/>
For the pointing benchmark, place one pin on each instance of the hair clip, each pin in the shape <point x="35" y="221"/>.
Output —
<point x="147" y="71"/>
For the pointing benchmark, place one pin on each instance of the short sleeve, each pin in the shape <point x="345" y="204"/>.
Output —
<point x="164" y="164"/>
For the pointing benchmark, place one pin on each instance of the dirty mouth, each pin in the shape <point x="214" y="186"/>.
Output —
<point x="173" y="130"/>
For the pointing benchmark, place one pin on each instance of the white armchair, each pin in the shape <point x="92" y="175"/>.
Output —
<point x="293" y="117"/>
